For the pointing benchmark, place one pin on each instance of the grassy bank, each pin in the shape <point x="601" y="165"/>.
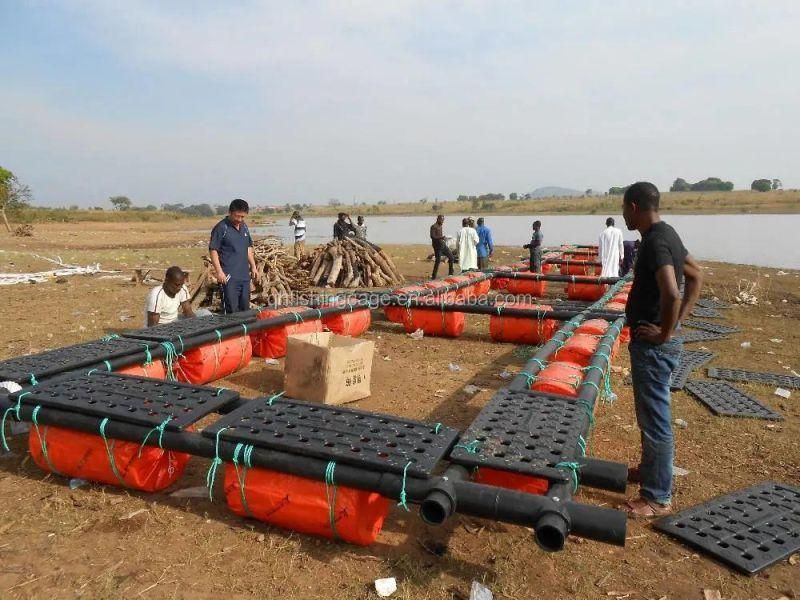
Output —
<point x="742" y="202"/>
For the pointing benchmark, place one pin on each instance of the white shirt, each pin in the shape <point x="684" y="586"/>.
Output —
<point x="610" y="251"/>
<point x="467" y="248"/>
<point x="299" y="229"/>
<point x="158" y="301"/>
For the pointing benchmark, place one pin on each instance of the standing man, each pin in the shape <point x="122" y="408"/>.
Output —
<point x="343" y="227"/>
<point x="467" y="246"/>
<point x="361" y="229"/>
<point x="535" y="248"/>
<point x="299" y="225"/>
<point x="610" y="250"/>
<point x="485" y="245"/>
<point x="231" y="249"/>
<point x="654" y="310"/>
<point x="440" y="247"/>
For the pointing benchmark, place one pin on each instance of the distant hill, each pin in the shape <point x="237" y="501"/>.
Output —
<point x="553" y="191"/>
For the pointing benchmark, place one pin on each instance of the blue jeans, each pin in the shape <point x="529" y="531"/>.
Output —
<point x="236" y="295"/>
<point x="651" y="368"/>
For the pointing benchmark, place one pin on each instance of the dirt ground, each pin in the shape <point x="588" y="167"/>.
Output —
<point x="59" y="542"/>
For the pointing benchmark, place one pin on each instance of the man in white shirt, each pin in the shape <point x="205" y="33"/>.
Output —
<point x="610" y="250"/>
<point x="299" y="225"/>
<point x="467" y="246"/>
<point x="166" y="301"/>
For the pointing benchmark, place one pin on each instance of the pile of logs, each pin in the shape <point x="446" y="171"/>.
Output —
<point x="280" y="278"/>
<point x="351" y="263"/>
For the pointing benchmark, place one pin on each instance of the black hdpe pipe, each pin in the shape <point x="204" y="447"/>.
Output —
<point x="473" y="499"/>
<point x="507" y="310"/>
<point x="556" y="277"/>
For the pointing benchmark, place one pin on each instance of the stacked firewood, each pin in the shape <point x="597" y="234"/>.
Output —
<point x="351" y="263"/>
<point x="280" y="280"/>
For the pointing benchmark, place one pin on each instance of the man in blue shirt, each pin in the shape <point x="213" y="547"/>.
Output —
<point x="485" y="245"/>
<point x="231" y="249"/>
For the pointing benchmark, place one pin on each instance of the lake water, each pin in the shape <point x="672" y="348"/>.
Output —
<point x="763" y="240"/>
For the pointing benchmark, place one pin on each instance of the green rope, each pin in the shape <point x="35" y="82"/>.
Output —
<point x="587" y="406"/>
<point x="158" y="428"/>
<point x="272" y="399"/>
<point x="15" y="410"/>
<point x="109" y="338"/>
<point x="542" y="364"/>
<point x="241" y="474"/>
<point x="582" y="445"/>
<point x="180" y="339"/>
<point x="573" y="468"/>
<point x="212" y="470"/>
<point x="220" y="390"/>
<point x="148" y="358"/>
<point x="244" y="329"/>
<point x="330" y="493"/>
<point x="170" y="356"/>
<point x="33" y="380"/>
<point x="470" y="448"/>
<point x="437" y="428"/>
<point x="403" y="489"/>
<point x="109" y="452"/>
<point x="108" y="366"/>
<point x="42" y="440"/>
<point x="219" y="336"/>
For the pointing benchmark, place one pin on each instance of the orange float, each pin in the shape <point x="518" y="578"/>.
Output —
<point x="271" y="343"/>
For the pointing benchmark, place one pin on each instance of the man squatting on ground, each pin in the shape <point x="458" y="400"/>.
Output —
<point x="165" y="301"/>
<point x="231" y="249"/>
<point x="654" y="310"/>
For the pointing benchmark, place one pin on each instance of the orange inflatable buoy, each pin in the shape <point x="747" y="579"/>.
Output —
<point x="213" y="361"/>
<point x="396" y="313"/>
<point x="305" y="505"/>
<point x="85" y="455"/>
<point x="526" y="287"/>
<point x="482" y="287"/>
<point x="585" y="291"/>
<point x="349" y="323"/>
<point x="440" y="296"/>
<point x="463" y="293"/>
<point x="521" y="330"/>
<point x="593" y="327"/>
<point x="562" y="378"/>
<point x="578" y="349"/>
<point x="435" y="323"/>
<point x="511" y="481"/>
<point x="579" y="269"/>
<point x="153" y="370"/>
<point x="271" y="343"/>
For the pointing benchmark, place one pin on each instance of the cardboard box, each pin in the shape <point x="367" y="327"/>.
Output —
<point x="328" y="368"/>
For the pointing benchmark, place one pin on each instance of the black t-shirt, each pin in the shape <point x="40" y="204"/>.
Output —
<point x="660" y="246"/>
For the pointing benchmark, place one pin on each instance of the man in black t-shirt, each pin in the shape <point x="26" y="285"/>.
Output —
<point x="653" y="312"/>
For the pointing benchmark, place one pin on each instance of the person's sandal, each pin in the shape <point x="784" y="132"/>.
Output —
<point x="642" y="508"/>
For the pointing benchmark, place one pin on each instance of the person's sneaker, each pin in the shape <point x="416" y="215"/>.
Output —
<point x="642" y="508"/>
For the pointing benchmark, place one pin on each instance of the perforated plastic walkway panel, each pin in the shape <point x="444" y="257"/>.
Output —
<point x="711" y="303"/>
<point x="186" y="328"/>
<point x="525" y="433"/>
<point x="786" y="381"/>
<point x="706" y="313"/>
<point x="748" y="530"/>
<point x="695" y="335"/>
<point x="690" y="360"/>
<point x="129" y="399"/>
<point x="710" y="327"/>
<point x="66" y="359"/>
<point x="364" y="439"/>
<point x="726" y="400"/>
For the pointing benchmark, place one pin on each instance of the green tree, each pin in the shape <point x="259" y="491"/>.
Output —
<point x="680" y="185"/>
<point x="513" y="196"/>
<point x="761" y="185"/>
<point x="13" y="194"/>
<point x="712" y="184"/>
<point x="120" y="202"/>
<point x="777" y="184"/>
<point x="617" y="191"/>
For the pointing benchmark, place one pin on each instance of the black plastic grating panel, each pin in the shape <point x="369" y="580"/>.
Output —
<point x="710" y="327"/>
<point x="525" y="433"/>
<point x="69" y="358"/>
<point x="748" y="530"/>
<point x="360" y="438"/>
<point x="726" y="400"/>
<point x="695" y="335"/>
<point x="711" y="303"/>
<point x="185" y="328"/>
<point x="778" y="379"/>
<point x="129" y="399"/>
<point x="706" y="313"/>
<point x="689" y="361"/>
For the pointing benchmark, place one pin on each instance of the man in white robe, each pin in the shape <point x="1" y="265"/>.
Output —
<point x="467" y="240"/>
<point x="610" y="249"/>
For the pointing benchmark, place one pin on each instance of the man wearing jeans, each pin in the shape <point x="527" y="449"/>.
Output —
<point x="654" y="311"/>
<point x="231" y="249"/>
<point x="440" y="247"/>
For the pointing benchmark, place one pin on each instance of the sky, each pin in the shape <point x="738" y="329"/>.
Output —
<point x="303" y="101"/>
